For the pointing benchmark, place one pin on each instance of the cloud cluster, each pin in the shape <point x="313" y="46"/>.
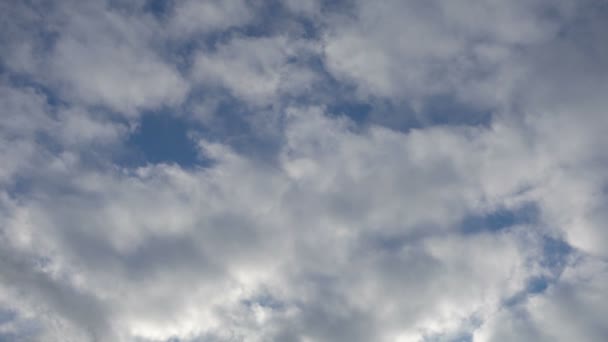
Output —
<point x="365" y="171"/>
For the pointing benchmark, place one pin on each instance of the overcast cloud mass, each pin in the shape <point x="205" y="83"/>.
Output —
<point x="304" y="170"/>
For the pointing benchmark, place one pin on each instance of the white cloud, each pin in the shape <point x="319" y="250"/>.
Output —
<point x="256" y="70"/>
<point x="237" y="231"/>
<point x="105" y="59"/>
<point x="410" y="50"/>
<point x="570" y="310"/>
<point x="349" y="231"/>
<point x="96" y="55"/>
<point x="191" y="17"/>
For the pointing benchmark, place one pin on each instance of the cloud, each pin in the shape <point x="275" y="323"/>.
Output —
<point x="257" y="70"/>
<point x="96" y="55"/>
<point x="217" y="233"/>
<point x="569" y="310"/>
<point x="356" y="171"/>
<point x="411" y="50"/>
<point x="191" y="17"/>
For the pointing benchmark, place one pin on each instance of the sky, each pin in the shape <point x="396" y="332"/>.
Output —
<point x="303" y="170"/>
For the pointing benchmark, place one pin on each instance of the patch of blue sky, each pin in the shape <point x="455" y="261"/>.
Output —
<point x="447" y="110"/>
<point x="265" y="301"/>
<point x="459" y="337"/>
<point x="158" y="8"/>
<point x="500" y="219"/>
<point x="534" y="286"/>
<point x="555" y="256"/>
<point x="537" y="284"/>
<point x="163" y="138"/>
<point x="556" y="253"/>
<point x="444" y="110"/>
<point x="359" y="112"/>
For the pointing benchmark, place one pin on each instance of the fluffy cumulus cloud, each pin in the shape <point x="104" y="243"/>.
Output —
<point x="303" y="170"/>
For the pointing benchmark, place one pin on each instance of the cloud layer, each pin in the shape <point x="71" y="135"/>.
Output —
<point x="355" y="170"/>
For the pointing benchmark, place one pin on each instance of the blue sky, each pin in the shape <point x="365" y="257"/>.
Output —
<point x="303" y="170"/>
